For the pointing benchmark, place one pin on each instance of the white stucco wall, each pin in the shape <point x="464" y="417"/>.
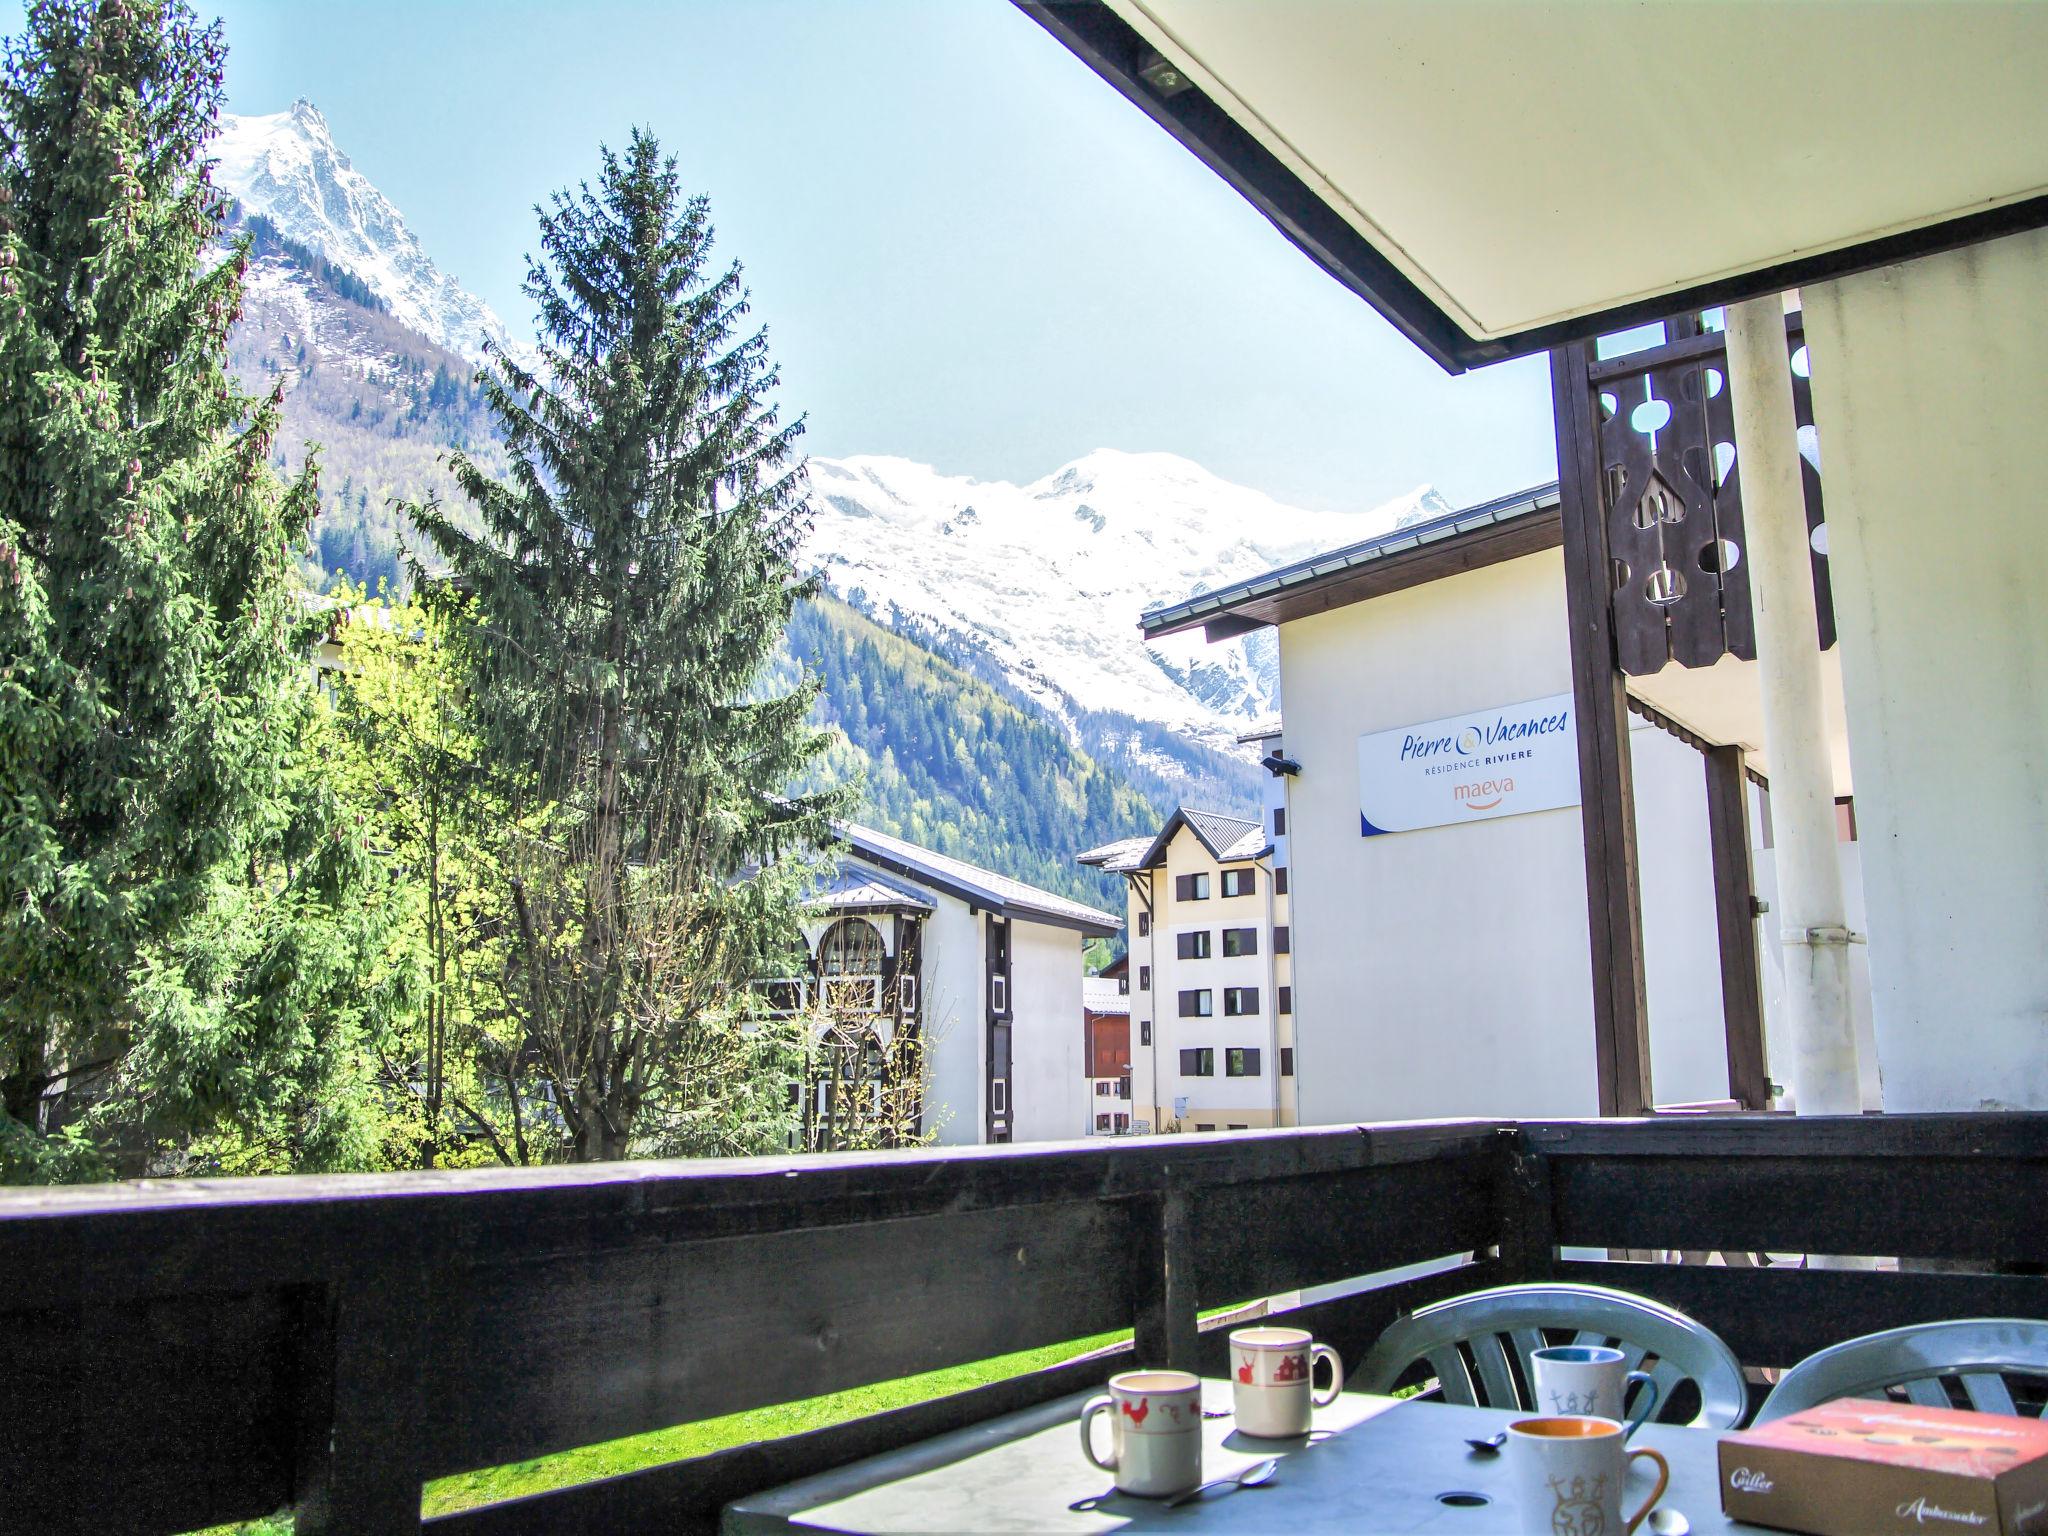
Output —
<point x="1681" y="953"/>
<point x="1051" y="1098"/>
<point x="1930" y="395"/>
<point x="953" y="1024"/>
<point x="1446" y="971"/>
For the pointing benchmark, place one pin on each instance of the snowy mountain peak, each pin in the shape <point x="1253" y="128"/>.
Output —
<point x="287" y="167"/>
<point x="1049" y="578"/>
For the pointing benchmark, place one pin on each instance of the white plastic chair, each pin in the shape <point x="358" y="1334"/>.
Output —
<point x="1467" y="1341"/>
<point x="1976" y="1351"/>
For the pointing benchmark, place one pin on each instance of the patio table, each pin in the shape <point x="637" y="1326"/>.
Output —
<point x="1375" y="1465"/>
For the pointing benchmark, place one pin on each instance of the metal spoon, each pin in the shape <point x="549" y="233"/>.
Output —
<point x="1250" y="1477"/>
<point x="1669" y="1522"/>
<point x="1489" y="1445"/>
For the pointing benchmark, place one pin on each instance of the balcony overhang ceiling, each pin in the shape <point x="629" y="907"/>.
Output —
<point x="1496" y="178"/>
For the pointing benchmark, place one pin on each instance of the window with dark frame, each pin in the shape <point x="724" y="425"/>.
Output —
<point x="1198" y="1061"/>
<point x="1241" y="1061"/>
<point x="1280" y="881"/>
<point x="1102" y="1122"/>
<point x="1279" y="821"/>
<point x="1240" y="882"/>
<point x="1283" y="941"/>
<point x="1197" y="1003"/>
<point x="1144" y="978"/>
<point x="1240" y="941"/>
<point x="1286" y="1000"/>
<point x="1287" y="1061"/>
<point x="1144" y="1031"/>
<point x="1191" y="887"/>
<point x="1144" y="924"/>
<point x="1192" y="946"/>
<point x="1240" y="1001"/>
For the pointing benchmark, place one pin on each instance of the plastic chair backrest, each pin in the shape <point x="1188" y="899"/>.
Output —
<point x="1975" y="1350"/>
<point x="1488" y="1325"/>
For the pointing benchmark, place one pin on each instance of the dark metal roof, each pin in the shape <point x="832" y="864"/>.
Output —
<point x="1507" y="526"/>
<point x="1229" y="839"/>
<point x="983" y="888"/>
<point x="856" y="888"/>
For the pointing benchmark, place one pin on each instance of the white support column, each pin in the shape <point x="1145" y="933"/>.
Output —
<point x="1810" y="916"/>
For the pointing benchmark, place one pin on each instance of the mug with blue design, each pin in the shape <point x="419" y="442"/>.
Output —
<point x="1591" y="1379"/>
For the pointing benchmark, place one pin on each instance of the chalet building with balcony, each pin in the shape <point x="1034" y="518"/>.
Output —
<point x="982" y="971"/>
<point x="1211" y="996"/>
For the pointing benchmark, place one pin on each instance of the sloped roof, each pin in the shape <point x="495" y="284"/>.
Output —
<point x="1100" y="994"/>
<point x="1229" y="839"/>
<point x="853" y="888"/>
<point x="1125" y="853"/>
<point x="984" y="888"/>
<point x="1519" y="523"/>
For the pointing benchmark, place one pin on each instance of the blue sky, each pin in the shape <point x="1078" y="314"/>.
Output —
<point x="968" y="249"/>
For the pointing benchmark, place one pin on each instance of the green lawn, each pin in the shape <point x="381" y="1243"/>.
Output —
<point x="708" y="1435"/>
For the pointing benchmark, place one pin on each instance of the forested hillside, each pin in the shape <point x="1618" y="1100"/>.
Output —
<point x="954" y="765"/>
<point x="382" y="401"/>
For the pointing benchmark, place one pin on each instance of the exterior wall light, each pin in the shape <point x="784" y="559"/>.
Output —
<point x="1162" y="74"/>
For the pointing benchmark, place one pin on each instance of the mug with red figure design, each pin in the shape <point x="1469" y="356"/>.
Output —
<point x="1155" y="1433"/>
<point x="1270" y="1378"/>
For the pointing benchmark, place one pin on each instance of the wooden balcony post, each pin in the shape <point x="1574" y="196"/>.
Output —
<point x="1163" y="1287"/>
<point x="360" y="1471"/>
<point x="1606" y="787"/>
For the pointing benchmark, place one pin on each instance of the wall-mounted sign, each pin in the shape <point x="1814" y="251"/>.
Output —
<point x="1498" y="762"/>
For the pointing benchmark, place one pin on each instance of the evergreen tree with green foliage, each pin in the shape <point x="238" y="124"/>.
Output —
<point x="182" y="933"/>
<point x="633" y="579"/>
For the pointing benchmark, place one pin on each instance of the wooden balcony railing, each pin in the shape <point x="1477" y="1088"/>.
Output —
<point x="185" y="1354"/>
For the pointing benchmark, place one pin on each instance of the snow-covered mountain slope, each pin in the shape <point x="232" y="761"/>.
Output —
<point x="286" y="167"/>
<point x="1049" y="578"/>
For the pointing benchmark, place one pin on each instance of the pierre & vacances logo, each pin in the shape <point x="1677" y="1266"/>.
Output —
<point x="1499" y="744"/>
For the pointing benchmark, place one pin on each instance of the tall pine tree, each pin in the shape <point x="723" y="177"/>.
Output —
<point x="632" y="582"/>
<point x="178" y="948"/>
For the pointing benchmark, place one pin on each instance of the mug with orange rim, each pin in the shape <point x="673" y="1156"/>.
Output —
<point x="1569" y="1470"/>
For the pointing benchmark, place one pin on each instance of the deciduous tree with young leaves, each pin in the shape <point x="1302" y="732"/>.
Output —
<point x="632" y="580"/>
<point x="183" y="934"/>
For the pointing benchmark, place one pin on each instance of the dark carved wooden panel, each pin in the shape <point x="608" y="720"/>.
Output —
<point x="1670" y="497"/>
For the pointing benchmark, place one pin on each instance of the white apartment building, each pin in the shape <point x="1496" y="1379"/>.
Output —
<point x="986" y="969"/>
<point x="1437" y="873"/>
<point x="1211" y="974"/>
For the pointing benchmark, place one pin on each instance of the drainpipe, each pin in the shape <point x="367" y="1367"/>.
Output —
<point x="1814" y="925"/>
<point x="1271" y="996"/>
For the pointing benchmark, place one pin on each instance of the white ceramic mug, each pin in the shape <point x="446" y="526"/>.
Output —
<point x="1271" y="1380"/>
<point x="1568" y="1472"/>
<point x="1593" y="1380"/>
<point x="1155" y="1434"/>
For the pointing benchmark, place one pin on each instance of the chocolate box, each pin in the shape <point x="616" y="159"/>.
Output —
<point x="1861" y="1468"/>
